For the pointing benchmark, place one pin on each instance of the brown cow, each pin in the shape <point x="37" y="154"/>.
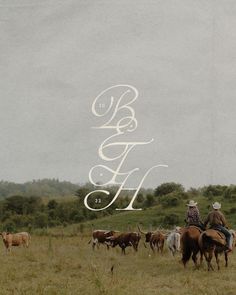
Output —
<point x="18" y="239"/>
<point x="99" y="237"/>
<point x="125" y="240"/>
<point x="156" y="240"/>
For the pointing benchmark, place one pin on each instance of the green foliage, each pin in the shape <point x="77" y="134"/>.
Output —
<point x="167" y="188"/>
<point x="52" y="204"/>
<point x="193" y="192"/>
<point x="38" y="188"/>
<point x="230" y="193"/>
<point x="41" y="220"/>
<point x="211" y="191"/>
<point x="171" y="219"/>
<point x="150" y="201"/>
<point x="171" y="200"/>
<point x="32" y="212"/>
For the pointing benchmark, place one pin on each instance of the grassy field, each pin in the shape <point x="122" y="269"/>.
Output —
<point x="69" y="266"/>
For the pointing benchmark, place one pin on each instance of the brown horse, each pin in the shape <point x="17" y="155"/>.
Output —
<point x="213" y="242"/>
<point x="189" y="243"/>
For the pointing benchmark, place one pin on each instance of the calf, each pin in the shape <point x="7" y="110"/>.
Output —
<point x="18" y="239"/>
<point x="125" y="240"/>
<point x="156" y="240"/>
<point x="173" y="242"/>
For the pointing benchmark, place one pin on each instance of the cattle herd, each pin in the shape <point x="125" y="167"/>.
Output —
<point x="155" y="239"/>
<point x="190" y="241"/>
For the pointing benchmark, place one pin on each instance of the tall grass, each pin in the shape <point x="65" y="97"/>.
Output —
<point x="68" y="265"/>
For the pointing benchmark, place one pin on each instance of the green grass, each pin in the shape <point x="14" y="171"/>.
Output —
<point x="69" y="266"/>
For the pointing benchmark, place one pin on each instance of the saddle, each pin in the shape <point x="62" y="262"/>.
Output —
<point x="216" y="236"/>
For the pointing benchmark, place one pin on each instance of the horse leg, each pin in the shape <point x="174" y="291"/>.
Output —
<point x="210" y="255"/>
<point x="194" y="257"/>
<point x="201" y="258"/>
<point x="217" y="260"/>
<point x="226" y="259"/>
<point x="208" y="258"/>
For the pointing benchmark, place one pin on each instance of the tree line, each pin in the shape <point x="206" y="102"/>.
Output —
<point x="32" y="212"/>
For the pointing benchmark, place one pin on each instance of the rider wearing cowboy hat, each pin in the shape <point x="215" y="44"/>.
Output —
<point x="193" y="215"/>
<point x="217" y="221"/>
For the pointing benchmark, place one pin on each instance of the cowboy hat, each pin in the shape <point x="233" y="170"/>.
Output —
<point x="192" y="203"/>
<point x="216" y="206"/>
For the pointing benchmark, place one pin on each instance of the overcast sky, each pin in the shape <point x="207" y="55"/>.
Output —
<point x="57" y="56"/>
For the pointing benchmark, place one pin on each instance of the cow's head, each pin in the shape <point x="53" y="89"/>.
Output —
<point x="4" y="235"/>
<point x="148" y="236"/>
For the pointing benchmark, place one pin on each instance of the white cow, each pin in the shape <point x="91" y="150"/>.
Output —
<point x="173" y="241"/>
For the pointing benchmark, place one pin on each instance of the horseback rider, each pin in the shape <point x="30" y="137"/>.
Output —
<point x="193" y="215"/>
<point x="217" y="221"/>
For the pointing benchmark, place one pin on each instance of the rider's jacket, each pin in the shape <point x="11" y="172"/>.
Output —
<point x="215" y="218"/>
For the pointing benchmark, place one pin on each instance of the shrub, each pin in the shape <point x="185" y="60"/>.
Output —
<point x="230" y="193"/>
<point x="171" y="200"/>
<point x="167" y="188"/>
<point x="213" y="190"/>
<point x="171" y="219"/>
<point x="41" y="220"/>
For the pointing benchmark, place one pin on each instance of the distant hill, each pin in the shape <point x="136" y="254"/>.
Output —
<point x="41" y="188"/>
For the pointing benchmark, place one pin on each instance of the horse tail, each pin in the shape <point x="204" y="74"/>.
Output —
<point x="207" y="241"/>
<point x="186" y="245"/>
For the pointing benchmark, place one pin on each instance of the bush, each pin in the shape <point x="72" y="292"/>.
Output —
<point x="9" y="226"/>
<point x="41" y="220"/>
<point x="211" y="191"/>
<point x="171" y="200"/>
<point x="171" y="219"/>
<point x="230" y="193"/>
<point x="232" y="210"/>
<point x="150" y="201"/>
<point x="167" y="188"/>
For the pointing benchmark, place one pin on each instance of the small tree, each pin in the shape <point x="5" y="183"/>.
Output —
<point x="167" y="188"/>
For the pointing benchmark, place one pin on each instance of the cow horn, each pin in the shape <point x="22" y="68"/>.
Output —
<point x="142" y="232"/>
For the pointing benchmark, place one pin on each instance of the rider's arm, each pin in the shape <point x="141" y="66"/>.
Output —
<point x="223" y="220"/>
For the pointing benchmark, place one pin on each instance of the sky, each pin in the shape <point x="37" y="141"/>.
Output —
<point x="57" y="56"/>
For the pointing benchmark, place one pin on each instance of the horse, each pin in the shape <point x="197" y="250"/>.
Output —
<point x="189" y="244"/>
<point x="213" y="242"/>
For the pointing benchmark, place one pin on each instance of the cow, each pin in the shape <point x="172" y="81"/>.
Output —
<point x="125" y="240"/>
<point x="17" y="239"/>
<point x="99" y="237"/>
<point x="156" y="240"/>
<point x="173" y="241"/>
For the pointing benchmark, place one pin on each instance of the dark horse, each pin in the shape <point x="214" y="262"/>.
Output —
<point x="213" y="242"/>
<point x="189" y="244"/>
